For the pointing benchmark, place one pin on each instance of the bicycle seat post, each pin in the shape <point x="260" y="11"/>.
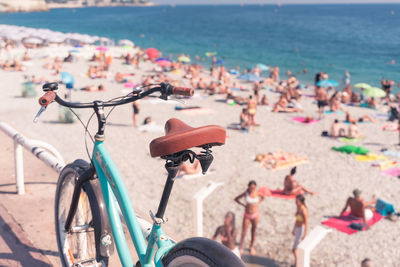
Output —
<point x="172" y="168"/>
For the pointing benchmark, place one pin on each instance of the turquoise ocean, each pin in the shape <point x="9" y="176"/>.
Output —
<point x="364" y="39"/>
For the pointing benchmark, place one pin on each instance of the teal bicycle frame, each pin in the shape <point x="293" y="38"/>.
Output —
<point x="114" y="189"/>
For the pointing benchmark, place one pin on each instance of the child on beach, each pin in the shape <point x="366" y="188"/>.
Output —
<point x="251" y="213"/>
<point x="227" y="232"/>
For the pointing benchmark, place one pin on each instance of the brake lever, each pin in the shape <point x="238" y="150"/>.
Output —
<point x="43" y="108"/>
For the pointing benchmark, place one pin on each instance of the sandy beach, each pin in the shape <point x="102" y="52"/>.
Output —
<point x="332" y="174"/>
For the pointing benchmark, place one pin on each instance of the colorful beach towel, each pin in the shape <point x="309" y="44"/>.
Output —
<point x="395" y="172"/>
<point x="194" y="110"/>
<point x="303" y="120"/>
<point x="347" y="122"/>
<point x="343" y="223"/>
<point x="391" y="153"/>
<point x="384" y="165"/>
<point x="393" y="127"/>
<point x="352" y="149"/>
<point x="370" y="157"/>
<point x="351" y="140"/>
<point x="278" y="193"/>
<point x="334" y="112"/>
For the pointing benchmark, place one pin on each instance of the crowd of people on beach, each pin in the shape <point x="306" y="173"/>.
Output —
<point x="217" y="80"/>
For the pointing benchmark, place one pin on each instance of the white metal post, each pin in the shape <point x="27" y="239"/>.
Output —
<point x="309" y="243"/>
<point x="197" y="205"/>
<point x="19" y="168"/>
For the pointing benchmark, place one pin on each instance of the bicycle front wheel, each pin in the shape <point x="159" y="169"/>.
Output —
<point x="78" y="247"/>
<point x="201" y="252"/>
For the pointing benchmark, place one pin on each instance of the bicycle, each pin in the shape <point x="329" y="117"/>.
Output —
<point x="87" y="219"/>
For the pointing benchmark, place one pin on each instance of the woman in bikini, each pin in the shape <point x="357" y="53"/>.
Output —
<point x="251" y="213"/>
<point x="300" y="225"/>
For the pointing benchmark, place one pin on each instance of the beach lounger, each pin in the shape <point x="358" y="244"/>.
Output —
<point x="343" y="223"/>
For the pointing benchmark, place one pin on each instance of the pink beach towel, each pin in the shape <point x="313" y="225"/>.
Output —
<point x="303" y="120"/>
<point x="278" y="193"/>
<point x="392" y="172"/>
<point x="342" y="223"/>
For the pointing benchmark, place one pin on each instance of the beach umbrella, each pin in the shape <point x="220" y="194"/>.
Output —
<point x="32" y="40"/>
<point x="374" y="92"/>
<point x="362" y="86"/>
<point x="130" y="85"/>
<point x="152" y="53"/>
<point x="250" y="77"/>
<point x="163" y="59"/>
<point x="126" y="43"/>
<point x="67" y="77"/>
<point x="327" y="83"/>
<point x="262" y="67"/>
<point x="184" y="59"/>
<point x="102" y="48"/>
<point x="164" y="63"/>
<point x="210" y="54"/>
<point x="234" y="72"/>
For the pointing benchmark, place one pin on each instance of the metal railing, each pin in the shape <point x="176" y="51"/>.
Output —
<point x="43" y="151"/>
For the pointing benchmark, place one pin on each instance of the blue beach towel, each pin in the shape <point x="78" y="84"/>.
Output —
<point x="383" y="207"/>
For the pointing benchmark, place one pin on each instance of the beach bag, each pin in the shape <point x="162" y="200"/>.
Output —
<point x="384" y="208"/>
<point x="357" y="226"/>
<point x="28" y="89"/>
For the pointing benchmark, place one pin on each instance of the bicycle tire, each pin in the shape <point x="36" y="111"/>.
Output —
<point x="83" y="245"/>
<point x="201" y="252"/>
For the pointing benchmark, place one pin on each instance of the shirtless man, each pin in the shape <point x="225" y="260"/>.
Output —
<point x="292" y="187"/>
<point x="322" y="100"/>
<point x="337" y="129"/>
<point x="353" y="130"/>
<point x="358" y="207"/>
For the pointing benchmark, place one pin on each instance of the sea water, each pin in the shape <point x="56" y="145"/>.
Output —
<point x="364" y="39"/>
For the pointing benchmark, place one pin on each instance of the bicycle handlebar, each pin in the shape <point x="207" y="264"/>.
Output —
<point x="47" y="98"/>
<point x="165" y="89"/>
<point x="185" y="91"/>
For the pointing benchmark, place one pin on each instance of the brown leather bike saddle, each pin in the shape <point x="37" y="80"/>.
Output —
<point x="180" y="136"/>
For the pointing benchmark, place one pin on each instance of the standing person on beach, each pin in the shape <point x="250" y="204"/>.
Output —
<point x="346" y="79"/>
<point x="300" y="225"/>
<point x="251" y="111"/>
<point x="227" y="232"/>
<point x="322" y="100"/>
<point x="136" y="110"/>
<point x="251" y="213"/>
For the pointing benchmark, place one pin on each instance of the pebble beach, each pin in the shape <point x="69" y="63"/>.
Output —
<point x="331" y="174"/>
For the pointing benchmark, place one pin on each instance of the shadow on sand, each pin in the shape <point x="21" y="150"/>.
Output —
<point x="261" y="261"/>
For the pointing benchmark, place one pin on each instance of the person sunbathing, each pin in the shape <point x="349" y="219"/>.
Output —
<point x="353" y="130"/>
<point x="282" y="105"/>
<point x="359" y="208"/>
<point x="337" y="129"/>
<point x="364" y="118"/>
<point x="334" y="103"/>
<point x="185" y="168"/>
<point x="277" y="159"/>
<point x="292" y="187"/>
<point x="243" y="119"/>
